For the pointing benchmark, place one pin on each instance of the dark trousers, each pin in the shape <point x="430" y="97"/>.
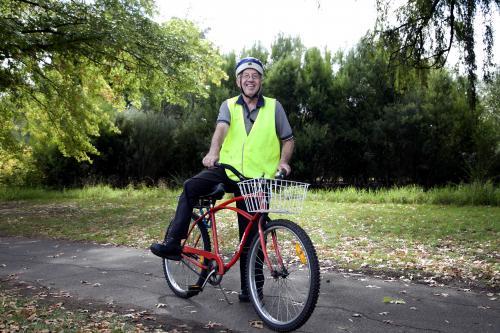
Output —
<point x="202" y="184"/>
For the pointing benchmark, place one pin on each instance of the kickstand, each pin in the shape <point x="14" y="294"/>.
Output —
<point x="224" y="293"/>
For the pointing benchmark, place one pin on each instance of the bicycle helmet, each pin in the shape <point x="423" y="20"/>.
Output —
<point x="249" y="62"/>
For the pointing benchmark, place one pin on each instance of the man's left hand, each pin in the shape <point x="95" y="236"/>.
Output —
<point x="286" y="167"/>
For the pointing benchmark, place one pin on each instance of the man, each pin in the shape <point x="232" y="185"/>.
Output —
<point x="253" y="135"/>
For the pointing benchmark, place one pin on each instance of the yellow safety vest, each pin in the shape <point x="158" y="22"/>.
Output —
<point x="258" y="153"/>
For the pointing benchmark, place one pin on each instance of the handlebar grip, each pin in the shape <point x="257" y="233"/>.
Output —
<point x="280" y="174"/>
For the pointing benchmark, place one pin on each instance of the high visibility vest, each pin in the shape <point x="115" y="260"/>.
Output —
<point x="258" y="153"/>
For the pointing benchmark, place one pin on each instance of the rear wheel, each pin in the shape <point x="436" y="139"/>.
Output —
<point x="286" y="295"/>
<point x="182" y="276"/>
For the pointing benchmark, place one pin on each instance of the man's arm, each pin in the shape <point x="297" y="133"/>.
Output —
<point x="286" y="155"/>
<point x="216" y="144"/>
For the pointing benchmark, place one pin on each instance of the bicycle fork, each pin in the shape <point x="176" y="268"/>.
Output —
<point x="275" y="245"/>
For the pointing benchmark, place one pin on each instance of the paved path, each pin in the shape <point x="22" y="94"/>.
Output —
<point x="347" y="303"/>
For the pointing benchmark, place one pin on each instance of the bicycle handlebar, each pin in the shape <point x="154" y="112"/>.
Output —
<point x="230" y="168"/>
<point x="279" y="175"/>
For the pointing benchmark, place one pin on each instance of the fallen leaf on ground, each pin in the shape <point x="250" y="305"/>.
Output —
<point x="161" y="305"/>
<point x="391" y="300"/>
<point x="385" y="313"/>
<point x="212" y="324"/>
<point x="356" y="315"/>
<point x="256" y="324"/>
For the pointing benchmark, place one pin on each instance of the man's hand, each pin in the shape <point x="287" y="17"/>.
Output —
<point x="210" y="159"/>
<point x="286" y="167"/>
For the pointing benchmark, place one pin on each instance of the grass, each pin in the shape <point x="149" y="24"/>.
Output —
<point x="426" y="235"/>
<point x="459" y="195"/>
<point x="421" y="241"/>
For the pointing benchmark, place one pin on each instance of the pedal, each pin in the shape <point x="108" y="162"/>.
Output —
<point x="194" y="290"/>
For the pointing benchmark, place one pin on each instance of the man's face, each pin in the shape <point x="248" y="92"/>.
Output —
<point x="250" y="81"/>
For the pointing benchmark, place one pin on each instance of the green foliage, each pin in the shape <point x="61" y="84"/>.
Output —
<point x="282" y="82"/>
<point x="357" y="119"/>
<point x="68" y="66"/>
<point x="18" y="169"/>
<point x="151" y="148"/>
<point x="313" y="152"/>
<point x="285" y="46"/>
<point x="258" y="51"/>
<point x="485" y="160"/>
<point x="426" y="31"/>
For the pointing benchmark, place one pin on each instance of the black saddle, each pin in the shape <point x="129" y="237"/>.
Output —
<point x="217" y="193"/>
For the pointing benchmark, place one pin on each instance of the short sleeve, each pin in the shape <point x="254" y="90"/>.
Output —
<point x="283" y="128"/>
<point x="224" y="114"/>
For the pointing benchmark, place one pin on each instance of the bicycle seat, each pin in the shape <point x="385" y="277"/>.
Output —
<point x="217" y="193"/>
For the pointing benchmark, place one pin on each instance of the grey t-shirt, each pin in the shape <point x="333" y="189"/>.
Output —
<point x="283" y="129"/>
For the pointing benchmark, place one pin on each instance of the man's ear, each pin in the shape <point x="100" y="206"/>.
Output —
<point x="238" y="81"/>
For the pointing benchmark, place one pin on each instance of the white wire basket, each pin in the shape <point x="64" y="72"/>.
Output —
<point x="273" y="195"/>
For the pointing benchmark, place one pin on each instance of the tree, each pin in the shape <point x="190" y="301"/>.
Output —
<point x="286" y="46"/>
<point x="67" y="66"/>
<point x="258" y="51"/>
<point x="427" y="30"/>
<point x="283" y="75"/>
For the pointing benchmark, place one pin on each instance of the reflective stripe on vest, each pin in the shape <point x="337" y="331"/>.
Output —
<point x="258" y="153"/>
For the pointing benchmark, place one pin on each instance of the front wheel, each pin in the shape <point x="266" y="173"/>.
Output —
<point x="284" y="296"/>
<point x="182" y="275"/>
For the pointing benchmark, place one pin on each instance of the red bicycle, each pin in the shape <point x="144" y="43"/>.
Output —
<point x="283" y="274"/>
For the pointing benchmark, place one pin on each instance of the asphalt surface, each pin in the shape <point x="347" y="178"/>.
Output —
<point x="347" y="303"/>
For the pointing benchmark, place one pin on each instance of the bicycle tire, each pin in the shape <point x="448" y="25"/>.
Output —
<point x="182" y="276"/>
<point x="284" y="301"/>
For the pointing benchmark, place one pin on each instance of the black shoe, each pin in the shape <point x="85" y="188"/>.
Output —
<point x="169" y="249"/>
<point x="243" y="297"/>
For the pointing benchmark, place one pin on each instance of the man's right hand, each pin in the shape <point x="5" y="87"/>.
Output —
<point x="210" y="159"/>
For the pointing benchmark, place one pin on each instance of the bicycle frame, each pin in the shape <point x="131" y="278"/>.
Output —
<point x="215" y="253"/>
